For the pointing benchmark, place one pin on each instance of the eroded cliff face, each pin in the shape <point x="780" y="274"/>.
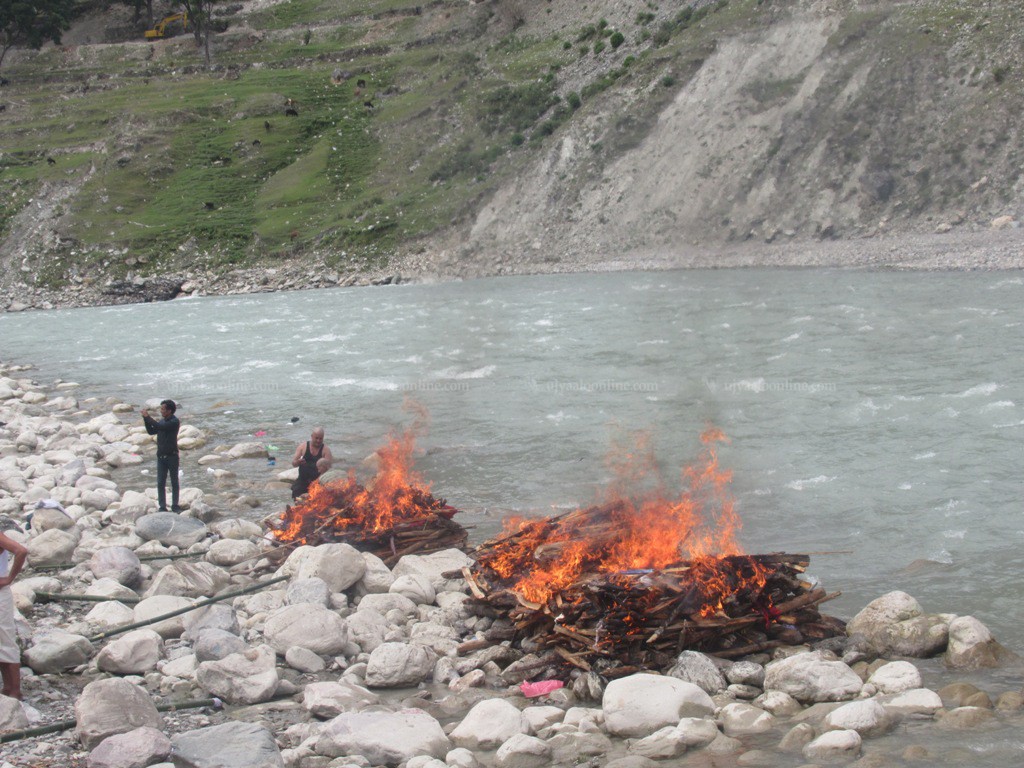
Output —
<point x="829" y="120"/>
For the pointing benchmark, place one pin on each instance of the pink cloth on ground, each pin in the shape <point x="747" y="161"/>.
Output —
<point x="540" y="688"/>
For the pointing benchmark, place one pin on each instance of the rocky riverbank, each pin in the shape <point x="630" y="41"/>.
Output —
<point x="995" y="249"/>
<point x="330" y="659"/>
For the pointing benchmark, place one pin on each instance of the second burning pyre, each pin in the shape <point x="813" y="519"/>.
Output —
<point x="628" y="584"/>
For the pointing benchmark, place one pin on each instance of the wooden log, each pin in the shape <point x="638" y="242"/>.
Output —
<point x="573" y="659"/>
<point x="195" y="606"/>
<point x="746" y="650"/>
<point x="473" y="645"/>
<point x="473" y="586"/>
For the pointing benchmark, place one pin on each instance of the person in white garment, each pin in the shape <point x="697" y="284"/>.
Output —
<point x="12" y="558"/>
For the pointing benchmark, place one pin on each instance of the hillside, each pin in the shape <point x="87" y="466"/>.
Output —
<point x="345" y="142"/>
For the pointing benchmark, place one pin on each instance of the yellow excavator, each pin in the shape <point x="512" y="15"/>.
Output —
<point x="160" y="30"/>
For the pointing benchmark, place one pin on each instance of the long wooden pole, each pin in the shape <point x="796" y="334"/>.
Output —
<point x="64" y="725"/>
<point x="201" y="604"/>
<point x="142" y="559"/>
<point x="47" y="597"/>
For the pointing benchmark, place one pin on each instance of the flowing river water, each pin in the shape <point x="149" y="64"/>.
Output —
<point x="878" y="416"/>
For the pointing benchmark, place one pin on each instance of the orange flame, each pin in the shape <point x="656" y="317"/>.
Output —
<point x="396" y="495"/>
<point x="634" y="533"/>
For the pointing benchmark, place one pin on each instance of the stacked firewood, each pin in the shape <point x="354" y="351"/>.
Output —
<point x="618" y="623"/>
<point x="409" y="521"/>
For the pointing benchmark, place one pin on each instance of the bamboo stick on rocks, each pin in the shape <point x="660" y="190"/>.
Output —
<point x="48" y="597"/>
<point x="142" y="559"/>
<point x="65" y="725"/>
<point x="201" y="604"/>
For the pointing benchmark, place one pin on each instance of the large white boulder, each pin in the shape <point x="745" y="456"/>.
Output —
<point x="118" y="563"/>
<point x="383" y="738"/>
<point x="329" y="699"/>
<point x="111" y="706"/>
<point x="434" y="566"/>
<point x="158" y="605"/>
<point x="133" y="653"/>
<point x="184" y="579"/>
<point x="895" y="677"/>
<point x="639" y="705"/>
<point x="228" y="745"/>
<point x="867" y="717"/>
<point x="895" y="625"/>
<point x="740" y="719"/>
<point x="55" y="650"/>
<point x="399" y="665"/>
<point x="919" y="702"/>
<point x="489" y="724"/>
<point x="340" y="565"/>
<point x="809" y="677"/>
<point x="134" y="749"/>
<point x="833" y="745"/>
<point x="312" y="626"/>
<point x="241" y="678"/>
<point x="971" y="645"/>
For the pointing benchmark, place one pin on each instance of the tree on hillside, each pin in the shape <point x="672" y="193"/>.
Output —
<point x="137" y="6"/>
<point x="32" y="22"/>
<point x="200" y="16"/>
<point x="511" y="12"/>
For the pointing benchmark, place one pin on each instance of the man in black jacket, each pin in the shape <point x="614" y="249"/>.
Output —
<point x="166" y="431"/>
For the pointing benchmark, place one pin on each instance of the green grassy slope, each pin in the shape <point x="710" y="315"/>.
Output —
<point x="210" y="158"/>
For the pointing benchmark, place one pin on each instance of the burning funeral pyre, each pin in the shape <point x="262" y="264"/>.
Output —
<point x="393" y="515"/>
<point x="627" y="585"/>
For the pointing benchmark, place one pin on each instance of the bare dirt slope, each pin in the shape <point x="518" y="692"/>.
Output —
<point x="824" y="122"/>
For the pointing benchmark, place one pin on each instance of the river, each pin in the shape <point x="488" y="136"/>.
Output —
<point x="878" y="416"/>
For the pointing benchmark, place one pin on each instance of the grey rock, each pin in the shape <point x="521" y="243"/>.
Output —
<point x="696" y="668"/>
<point x="133" y="653"/>
<point x="971" y="646"/>
<point x="895" y="625"/>
<point x="112" y="706"/>
<point x="215" y="616"/>
<point x="171" y="529"/>
<point x="56" y="651"/>
<point x="53" y="547"/>
<point x="241" y="678"/>
<point x="185" y="579"/>
<point x="330" y="699"/>
<point x="304" y="660"/>
<point x="230" y="745"/>
<point x="213" y="644"/>
<point x="833" y="745"/>
<point x="397" y="665"/>
<point x="311" y="626"/>
<point x="308" y="590"/>
<point x="523" y="751"/>
<point x="118" y="563"/>
<point x="159" y="605"/>
<point x="134" y="749"/>
<point x="12" y="715"/>
<point x="383" y="738"/>
<point x="489" y="724"/>
<point x="639" y="705"/>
